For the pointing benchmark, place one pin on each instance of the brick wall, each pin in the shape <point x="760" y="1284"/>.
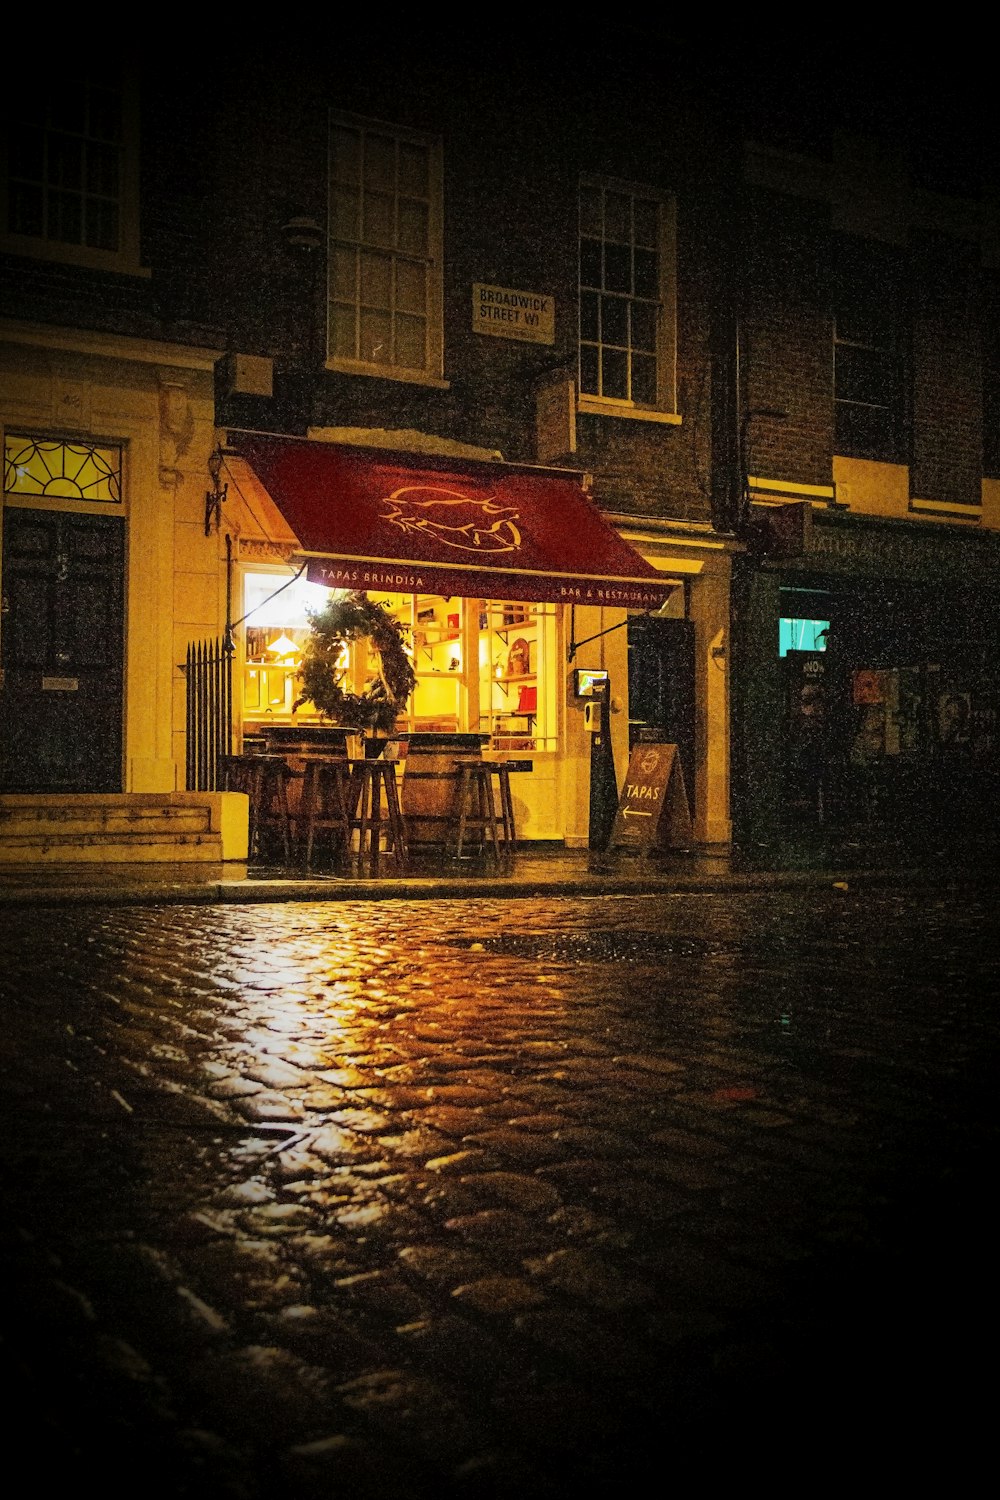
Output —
<point x="787" y="354"/>
<point x="947" y="435"/>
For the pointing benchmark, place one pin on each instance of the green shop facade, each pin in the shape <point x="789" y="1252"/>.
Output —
<point x="864" y="681"/>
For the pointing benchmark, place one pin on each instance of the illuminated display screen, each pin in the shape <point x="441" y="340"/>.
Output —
<point x="802" y="635"/>
<point x="588" y="682"/>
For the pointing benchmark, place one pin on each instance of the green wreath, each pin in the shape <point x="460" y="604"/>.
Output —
<point x="353" y="618"/>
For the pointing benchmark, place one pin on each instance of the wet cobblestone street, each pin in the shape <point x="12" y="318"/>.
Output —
<point x="500" y="1198"/>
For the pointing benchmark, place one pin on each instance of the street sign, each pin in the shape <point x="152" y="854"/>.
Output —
<point x="653" y="807"/>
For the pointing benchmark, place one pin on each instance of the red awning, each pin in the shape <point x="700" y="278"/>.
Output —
<point x="371" y="519"/>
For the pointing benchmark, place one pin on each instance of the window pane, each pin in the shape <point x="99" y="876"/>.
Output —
<point x="589" y="366"/>
<point x="102" y="224"/>
<point x="411" y="287"/>
<point x="102" y="170"/>
<point x="614" y="374"/>
<point x="646" y="219"/>
<point x="35" y="466"/>
<point x="617" y="268"/>
<point x="647" y="275"/>
<point x="644" y="379"/>
<point x="26" y="152"/>
<point x="618" y="217"/>
<point x="376" y="280"/>
<point x="343" y="265"/>
<point x="345" y="214"/>
<point x="380" y="162"/>
<point x="25" y="210"/>
<point x="863" y="322"/>
<point x="865" y="431"/>
<point x="65" y="161"/>
<point x="66" y="217"/>
<point x="410" y="342"/>
<point x="590" y="262"/>
<point x="412" y="227"/>
<point x="345" y="154"/>
<point x="414" y="170"/>
<point x="644" y="326"/>
<point x="376" y="338"/>
<point x="590" y="211"/>
<point x="378" y="228"/>
<point x="862" y="375"/>
<point x="588" y="316"/>
<point x="393" y="219"/>
<point x="614" y="320"/>
<point x="342" y="331"/>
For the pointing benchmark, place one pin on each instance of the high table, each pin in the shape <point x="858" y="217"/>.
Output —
<point x="295" y="743"/>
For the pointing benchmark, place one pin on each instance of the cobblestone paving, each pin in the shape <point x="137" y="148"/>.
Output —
<point x="499" y="1198"/>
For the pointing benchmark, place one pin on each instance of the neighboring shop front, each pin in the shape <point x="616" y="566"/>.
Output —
<point x="506" y="580"/>
<point x="107" y="568"/>
<point x="867" y="692"/>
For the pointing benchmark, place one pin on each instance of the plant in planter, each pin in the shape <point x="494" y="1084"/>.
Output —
<point x="355" y="617"/>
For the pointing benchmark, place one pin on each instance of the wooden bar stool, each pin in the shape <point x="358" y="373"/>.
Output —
<point x="474" y="811"/>
<point x="508" y="834"/>
<point x="375" y="793"/>
<point x="265" y="780"/>
<point x="328" y="798"/>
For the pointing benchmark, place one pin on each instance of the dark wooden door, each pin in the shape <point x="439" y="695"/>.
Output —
<point x="61" y="652"/>
<point x="661" y="687"/>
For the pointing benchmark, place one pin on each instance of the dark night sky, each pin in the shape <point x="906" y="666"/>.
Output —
<point x="933" y="96"/>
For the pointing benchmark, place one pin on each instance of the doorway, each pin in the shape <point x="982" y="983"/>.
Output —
<point x="661" y="688"/>
<point x="61" y="652"/>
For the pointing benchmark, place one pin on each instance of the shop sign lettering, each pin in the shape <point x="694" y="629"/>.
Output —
<point x="507" y="313"/>
<point x="653" y="806"/>
<point x="906" y="557"/>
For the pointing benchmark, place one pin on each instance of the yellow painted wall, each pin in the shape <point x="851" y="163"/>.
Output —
<point x="157" y="402"/>
<point x="871" y="488"/>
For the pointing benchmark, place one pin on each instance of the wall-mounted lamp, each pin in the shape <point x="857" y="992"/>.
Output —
<point x="302" y="232"/>
<point x="215" y="497"/>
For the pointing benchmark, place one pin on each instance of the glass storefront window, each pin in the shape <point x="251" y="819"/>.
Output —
<point x="276" y="621"/>
<point x="482" y="665"/>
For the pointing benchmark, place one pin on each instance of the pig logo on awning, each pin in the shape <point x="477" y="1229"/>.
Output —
<point x="455" y="520"/>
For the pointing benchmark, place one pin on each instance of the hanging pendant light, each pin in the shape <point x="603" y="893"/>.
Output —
<point x="283" y="646"/>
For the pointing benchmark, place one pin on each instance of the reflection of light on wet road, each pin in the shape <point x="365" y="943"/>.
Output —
<point x="526" y="1160"/>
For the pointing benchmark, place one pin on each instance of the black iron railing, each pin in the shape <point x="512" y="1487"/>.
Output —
<point x="208" y="673"/>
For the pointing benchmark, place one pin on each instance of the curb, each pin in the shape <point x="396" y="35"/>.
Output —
<point x="265" y="891"/>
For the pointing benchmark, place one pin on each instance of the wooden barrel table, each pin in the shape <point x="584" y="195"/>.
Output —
<point x="429" y="785"/>
<point x="296" y="743"/>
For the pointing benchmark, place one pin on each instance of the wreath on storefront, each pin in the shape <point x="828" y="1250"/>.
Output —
<point x="322" y="673"/>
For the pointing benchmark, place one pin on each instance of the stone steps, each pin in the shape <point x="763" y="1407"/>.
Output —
<point x="138" y="827"/>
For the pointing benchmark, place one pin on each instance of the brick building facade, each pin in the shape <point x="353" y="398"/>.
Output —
<point x="754" y="364"/>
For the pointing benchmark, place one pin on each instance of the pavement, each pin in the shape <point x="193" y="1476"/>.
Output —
<point x="484" y="1199"/>
<point x="798" y="860"/>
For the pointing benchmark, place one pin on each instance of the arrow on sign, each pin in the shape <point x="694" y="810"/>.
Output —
<point x="635" y="812"/>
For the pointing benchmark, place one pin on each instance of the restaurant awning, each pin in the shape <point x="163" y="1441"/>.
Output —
<point x="373" y="519"/>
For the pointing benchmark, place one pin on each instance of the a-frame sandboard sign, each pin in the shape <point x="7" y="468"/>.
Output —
<point x="653" y="811"/>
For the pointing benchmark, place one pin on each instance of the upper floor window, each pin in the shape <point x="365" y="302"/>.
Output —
<point x="385" y="251"/>
<point x="627" y="312"/>
<point x="69" y="181"/>
<point x="868" y="365"/>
